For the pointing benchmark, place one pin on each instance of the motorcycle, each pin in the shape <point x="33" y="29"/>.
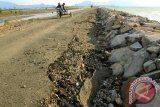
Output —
<point x="61" y="12"/>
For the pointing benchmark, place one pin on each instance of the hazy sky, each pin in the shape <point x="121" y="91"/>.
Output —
<point x="71" y="2"/>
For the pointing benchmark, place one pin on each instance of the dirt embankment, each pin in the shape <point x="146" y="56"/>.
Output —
<point x="78" y="73"/>
<point x="26" y="51"/>
<point x="97" y="68"/>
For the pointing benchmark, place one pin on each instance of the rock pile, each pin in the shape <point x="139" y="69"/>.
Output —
<point x="133" y="53"/>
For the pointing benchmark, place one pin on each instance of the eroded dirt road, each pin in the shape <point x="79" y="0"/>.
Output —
<point x="25" y="53"/>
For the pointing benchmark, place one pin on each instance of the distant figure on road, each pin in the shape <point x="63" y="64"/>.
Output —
<point x="63" y="8"/>
<point x="59" y="6"/>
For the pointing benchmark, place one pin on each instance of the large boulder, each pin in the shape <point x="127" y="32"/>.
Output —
<point x="145" y="41"/>
<point x="150" y="40"/>
<point x="125" y="28"/>
<point x="119" y="40"/>
<point x="153" y="49"/>
<point x="134" y="37"/>
<point x="121" y="54"/>
<point x="135" y="65"/>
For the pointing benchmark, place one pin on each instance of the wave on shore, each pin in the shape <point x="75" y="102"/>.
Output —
<point x="153" y="13"/>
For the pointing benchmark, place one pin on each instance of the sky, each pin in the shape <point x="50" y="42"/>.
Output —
<point x="71" y="2"/>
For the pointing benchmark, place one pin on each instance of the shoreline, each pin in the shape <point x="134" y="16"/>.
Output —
<point x="140" y="11"/>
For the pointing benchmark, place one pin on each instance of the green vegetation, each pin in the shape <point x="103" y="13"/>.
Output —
<point x="24" y="11"/>
<point x="8" y="11"/>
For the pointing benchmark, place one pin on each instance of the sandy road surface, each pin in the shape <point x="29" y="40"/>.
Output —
<point x="25" y="55"/>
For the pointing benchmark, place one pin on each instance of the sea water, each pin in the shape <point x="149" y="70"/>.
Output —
<point x="152" y="13"/>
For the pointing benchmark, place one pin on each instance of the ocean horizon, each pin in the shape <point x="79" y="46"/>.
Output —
<point x="152" y="13"/>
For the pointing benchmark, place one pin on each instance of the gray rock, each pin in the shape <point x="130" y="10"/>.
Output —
<point x="133" y="19"/>
<point x="111" y="35"/>
<point x="142" y="21"/>
<point x="136" y="36"/>
<point x="109" y="23"/>
<point x="157" y="63"/>
<point x="145" y="41"/>
<point x="108" y="99"/>
<point x="150" y="39"/>
<point x="149" y="66"/>
<point x="121" y="54"/>
<point x="117" y="69"/>
<point x="113" y="95"/>
<point x="133" y="37"/>
<point x="110" y="105"/>
<point x="153" y="49"/>
<point x="105" y="105"/>
<point x="151" y="74"/>
<point x="136" y="46"/>
<point x="153" y="56"/>
<point x="119" y="101"/>
<point x="119" y="40"/>
<point x="125" y="28"/>
<point x="107" y="53"/>
<point x="135" y="65"/>
<point x="154" y="74"/>
<point x="116" y="27"/>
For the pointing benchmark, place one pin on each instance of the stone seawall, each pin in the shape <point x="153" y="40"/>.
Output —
<point x="134" y="51"/>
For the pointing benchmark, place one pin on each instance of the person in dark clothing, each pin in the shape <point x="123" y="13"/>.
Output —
<point x="59" y="6"/>
<point x="59" y="10"/>
<point x="63" y="8"/>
